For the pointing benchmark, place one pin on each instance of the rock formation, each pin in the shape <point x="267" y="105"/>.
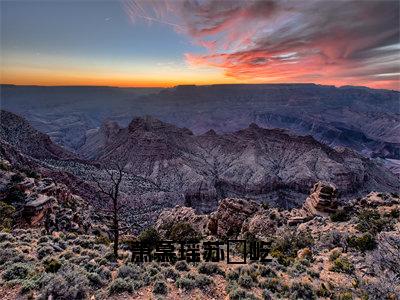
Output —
<point x="322" y="200"/>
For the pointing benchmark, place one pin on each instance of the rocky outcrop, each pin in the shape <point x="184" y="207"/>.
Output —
<point x="227" y="221"/>
<point x="263" y="224"/>
<point x="322" y="200"/>
<point x="19" y="133"/>
<point x="168" y="218"/>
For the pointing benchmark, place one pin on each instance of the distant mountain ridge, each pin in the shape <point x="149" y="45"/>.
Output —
<point x="366" y="120"/>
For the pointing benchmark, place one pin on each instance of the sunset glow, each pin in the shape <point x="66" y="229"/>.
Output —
<point x="166" y="43"/>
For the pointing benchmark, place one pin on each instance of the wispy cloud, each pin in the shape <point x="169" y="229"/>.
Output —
<point x="336" y="42"/>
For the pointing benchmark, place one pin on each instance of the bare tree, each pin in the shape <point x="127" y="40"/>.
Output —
<point x="110" y="192"/>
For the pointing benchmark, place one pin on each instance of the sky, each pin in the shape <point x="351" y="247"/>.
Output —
<point x="166" y="43"/>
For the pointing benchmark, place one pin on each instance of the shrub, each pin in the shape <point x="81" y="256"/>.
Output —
<point x="10" y="255"/>
<point x="160" y="288"/>
<point x="340" y="215"/>
<point x="183" y="232"/>
<point x="6" y="212"/>
<point x="102" y="240"/>
<point x="245" y="281"/>
<point x="152" y="271"/>
<point x="17" y="178"/>
<point x="394" y="213"/>
<point x="345" y="296"/>
<point x="149" y="237"/>
<point x="232" y="275"/>
<point x="334" y="255"/>
<point x="44" y="251"/>
<point x="170" y="273"/>
<point x="239" y="294"/>
<point x="5" y="236"/>
<point x="31" y="173"/>
<point x="17" y="271"/>
<point x="95" y="280"/>
<point x="181" y="266"/>
<point x="68" y="283"/>
<point x="285" y="248"/>
<point x="5" y="165"/>
<point x="129" y="271"/>
<point x="29" y="285"/>
<point x="363" y="243"/>
<point x="186" y="283"/>
<point x="272" y="284"/>
<point x="342" y="265"/>
<point x="370" y="220"/>
<point x="266" y="295"/>
<point x="210" y="268"/>
<point x="267" y="272"/>
<point x="302" y="291"/>
<point x="15" y="196"/>
<point x="119" y="285"/>
<point x="51" y="265"/>
<point x="104" y="272"/>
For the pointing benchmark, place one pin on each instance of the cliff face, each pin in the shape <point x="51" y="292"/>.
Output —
<point x="19" y="133"/>
<point x="258" y="163"/>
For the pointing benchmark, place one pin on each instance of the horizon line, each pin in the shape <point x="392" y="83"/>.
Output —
<point x="199" y="85"/>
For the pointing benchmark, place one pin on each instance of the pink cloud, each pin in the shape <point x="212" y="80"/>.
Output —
<point x="333" y="42"/>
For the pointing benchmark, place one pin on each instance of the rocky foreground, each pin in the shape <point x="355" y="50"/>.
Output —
<point x="53" y="245"/>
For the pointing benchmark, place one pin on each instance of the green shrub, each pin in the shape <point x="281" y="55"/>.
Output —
<point x="285" y="248"/>
<point x="363" y="243"/>
<point x="245" y="281"/>
<point x="183" y="232"/>
<point x="160" y="287"/>
<point x="44" y="251"/>
<point x="119" y="286"/>
<point x="149" y="237"/>
<point x="302" y="291"/>
<point x="271" y="284"/>
<point x="102" y="240"/>
<point x="69" y="282"/>
<point x="210" y="268"/>
<point x="342" y="265"/>
<point x="17" y="271"/>
<point x="186" y="283"/>
<point x="6" y="212"/>
<point x="239" y="294"/>
<point x="181" y="266"/>
<point x="51" y="265"/>
<point x="95" y="280"/>
<point x="334" y="255"/>
<point x="345" y="296"/>
<point x="267" y="272"/>
<point x="340" y="215"/>
<point x="369" y="220"/>
<point x="170" y="273"/>
<point x="10" y="255"/>
<point x="232" y="275"/>
<point x="129" y="271"/>
<point x="203" y="282"/>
